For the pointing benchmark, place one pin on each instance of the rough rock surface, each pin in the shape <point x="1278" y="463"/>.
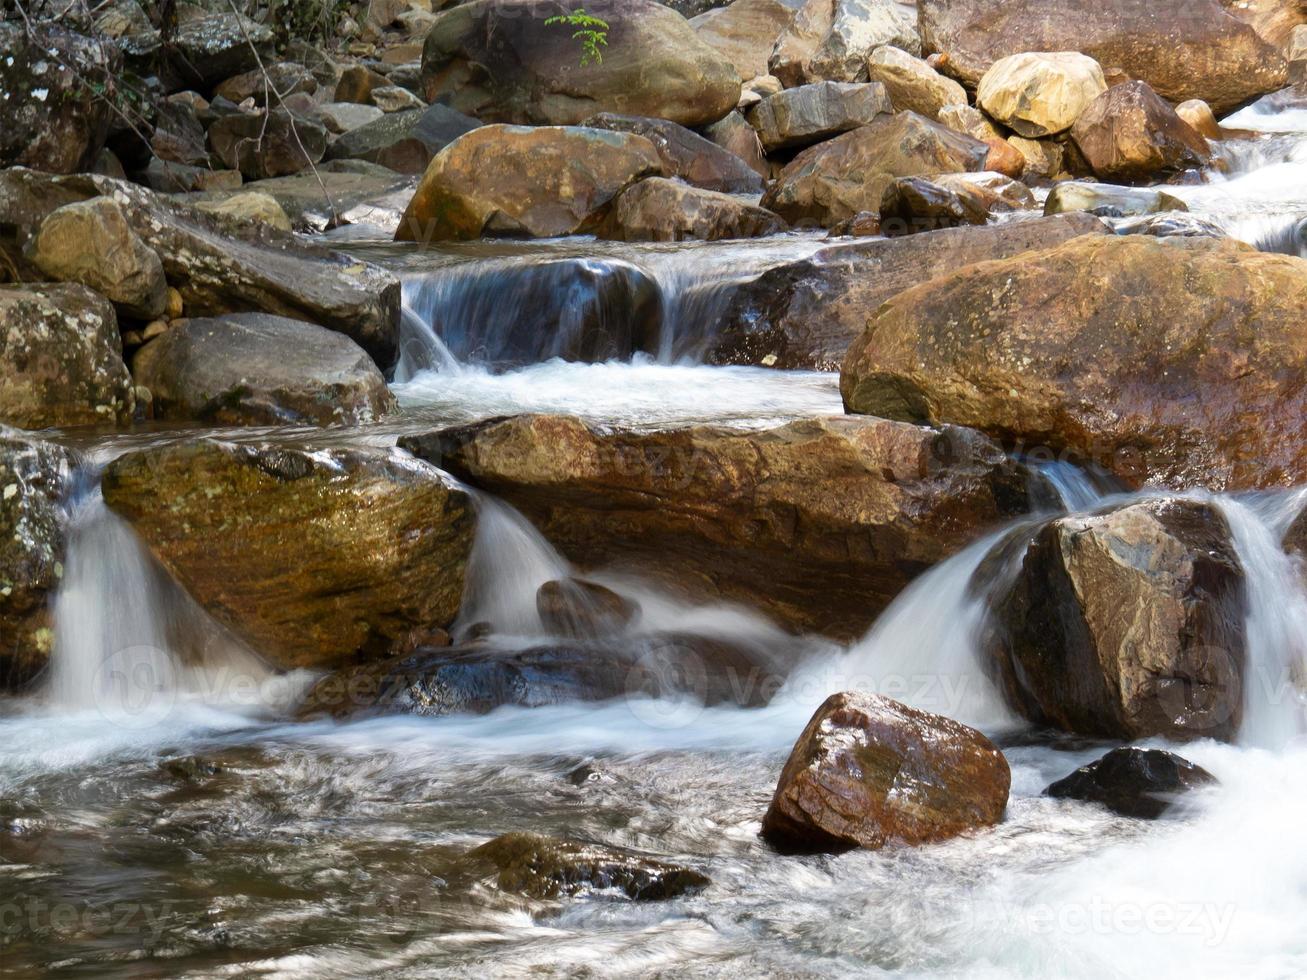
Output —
<point x="272" y="143"/>
<point x="686" y="154"/>
<point x="812" y="113"/>
<point x="830" y="40"/>
<point x="1133" y="782"/>
<point x="661" y="210"/>
<point x="868" y="771"/>
<point x="1130" y="133"/>
<point x="403" y="141"/>
<point x="744" y="32"/>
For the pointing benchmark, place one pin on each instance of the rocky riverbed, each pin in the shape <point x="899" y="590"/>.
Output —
<point x="697" y="489"/>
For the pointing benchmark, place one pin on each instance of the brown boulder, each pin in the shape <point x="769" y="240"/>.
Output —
<point x="686" y="154"/>
<point x="832" y="181"/>
<point x="267" y="144"/>
<point x="314" y="558"/>
<point x="819" y="523"/>
<point x="744" y="32"/>
<point x="733" y="134"/>
<point x="661" y="210"/>
<point x="1126" y="624"/>
<point x="868" y="771"/>
<point x="1129" y="133"/>
<point x="911" y="205"/>
<point x="1195" y="344"/>
<point x="811" y="113"/>
<point x="518" y="180"/>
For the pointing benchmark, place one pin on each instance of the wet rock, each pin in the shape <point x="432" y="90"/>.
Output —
<point x="834" y="180"/>
<point x="661" y="210"/>
<point x="91" y="242"/>
<point x="522" y="181"/>
<point x="812" y="113"/>
<point x="818" y="523"/>
<point x="1040" y="94"/>
<point x="53" y="118"/>
<point x="1005" y="159"/>
<point x="341" y="117"/>
<point x="913" y="204"/>
<point x="256" y="369"/>
<point x="376" y="196"/>
<point x="744" y="32"/>
<point x="404" y="141"/>
<point x="1128" y="133"/>
<point x="314" y="558"/>
<point x="282" y="79"/>
<point x="868" y="771"/>
<point x="61" y="358"/>
<point x="734" y="135"/>
<point x="248" y="206"/>
<point x="1133" y="782"/>
<point x="1209" y="316"/>
<point x="1185" y="49"/>
<point x="1198" y="114"/>
<point x="1109" y="200"/>
<point x="912" y="84"/>
<point x="225" y="268"/>
<point x="267" y="144"/>
<point x="1126" y="624"/>
<point x="830" y="40"/>
<point x="577" y="608"/>
<point x="497" y="60"/>
<point x="550" y="868"/>
<point x="35" y="481"/>
<point x="864" y="224"/>
<point x="805" y="314"/>
<point x="207" y="50"/>
<point x="1170" y="224"/>
<point x="686" y="154"/>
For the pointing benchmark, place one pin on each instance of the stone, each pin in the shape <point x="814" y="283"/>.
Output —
<point x="53" y="119"/>
<point x="362" y="193"/>
<point x="834" y="180"/>
<point x="1040" y="94"/>
<point x="548" y="868"/>
<point x="744" y="32"/>
<point x="868" y="771"/>
<point x="248" y="206"/>
<point x="267" y="144"/>
<point x="583" y="610"/>
<point x="1127" y="623"/>
<point x="1198" y="114"/>
<point x="1184" y="49"/>
<point x="404" y="141"/>
<point x="61" y="358"/>
<point x="36" y="479"/>
<point x="1109" y="200"/>
<point x="818" y="523"/>
<point x="805" y="314"/>
<point x="686" y="154"/>
<point x="179" y="178"/>
<point x="227" y="268"/>
<point x="660" y="210"/>
<point x="864" y="224"/>
<point x="1194" y="343"/>
<point x="207" y="50"/>
<point x="1044" y="158"/>
<point x="518" y="180"/>
<point x="912" y="205"/>
<point x="1275" y="21"/>
<point x="498" y="61"/>
<point x="92" y="243"/>
<point x="1004" y="158"/>
<point x="912" y="84"/>
<point x="256" y="369"/>
<point x="812" y="113"/>
<point x="734" y="135"/>
<point x="969" y="120"/>
<point x="392" y="98"/>
<point x="341" y="117"/>
<point x="283" y="79"/>
<point x="1170" y="224"/>
<point x="179" y="135"/>
<point x="1133" y="782"/>
<point x="1129" y="133"/>
<point x="830" y="40"/>
<point x="356" y="85"/>
<point x="314" y="558"/>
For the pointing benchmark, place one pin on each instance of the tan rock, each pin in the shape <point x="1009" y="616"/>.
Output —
<point x="1198" y="114"/>
<point x="912" y="84"/>
<point x="969" y="120"/>
<point x="811" y="113"/>
<point x="1040" y="94"/>
<point x="744" y="32"/>
<point x="1043" y="157"/>
<point x="249" y="206"/>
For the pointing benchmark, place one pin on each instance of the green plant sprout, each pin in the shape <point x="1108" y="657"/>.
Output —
<point x="591" y="32"/>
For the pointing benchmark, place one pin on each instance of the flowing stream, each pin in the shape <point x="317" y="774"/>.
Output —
<point x="160" y="815"/>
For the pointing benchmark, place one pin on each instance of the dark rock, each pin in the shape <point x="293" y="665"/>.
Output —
<point x="282" y="79"/>
<point x="209" y="49"/>
<point x="179" y="135"/>
<point x="404" y="141"/>
<point x="912" y="205"/>
<point x="733" y="134"/>
<point x="1133" y="782"/>
<point x="267" y="144"/>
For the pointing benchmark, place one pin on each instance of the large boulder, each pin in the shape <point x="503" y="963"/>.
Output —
<point x="686" y="154"/>
<point x="812" y="113"/>
<point x="519" y="180"/>
<point x="819" y="522"/>
<point x="830" y="40"/>
<point x="61" y="359"/>
<point x="223" y="267"/>
<point x="54" y="120"/>
<point x="270" y="143"/>
<point x="207" y="49"/>
<point x="499" y="61"/>
<point x="1196" y="347"/>
<point x="661" y="210"/>
<point x="911" y="205"/>
<point x="1185" y="49"/>
<point x="1133" y="782"/>
<point x="1040" y="94"/>
<point x="805" y="314"/>
<point x="1130" y="133"/>
<point x="912" y="84"/>
<point x="1126" y="624"/>
<point x="744" y="32"/>
<point x="832" y="181"/>
<point x="403" y="141"/>
<point x="868" y="771"/>
<point x="35" y="481"/>
<point x="314" y="558"/>
<point x="257" y="369"/>
<point x="1275" y="20"/>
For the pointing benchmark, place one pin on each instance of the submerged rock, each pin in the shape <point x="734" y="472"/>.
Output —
<point x="550" y="868"/>
<point x="315" y="558"/>
<point x="868" y="771"/>
<point x="256" y="369"/>
<point x="1195" y="344"/>
<point x="61" y="358"/>
<point x="35" y="480"/>
<point x="1126" y="624"/>
<point x="577" y="608"/>
<point x="1133" y="782"/>
<point x="819" y="522"/>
